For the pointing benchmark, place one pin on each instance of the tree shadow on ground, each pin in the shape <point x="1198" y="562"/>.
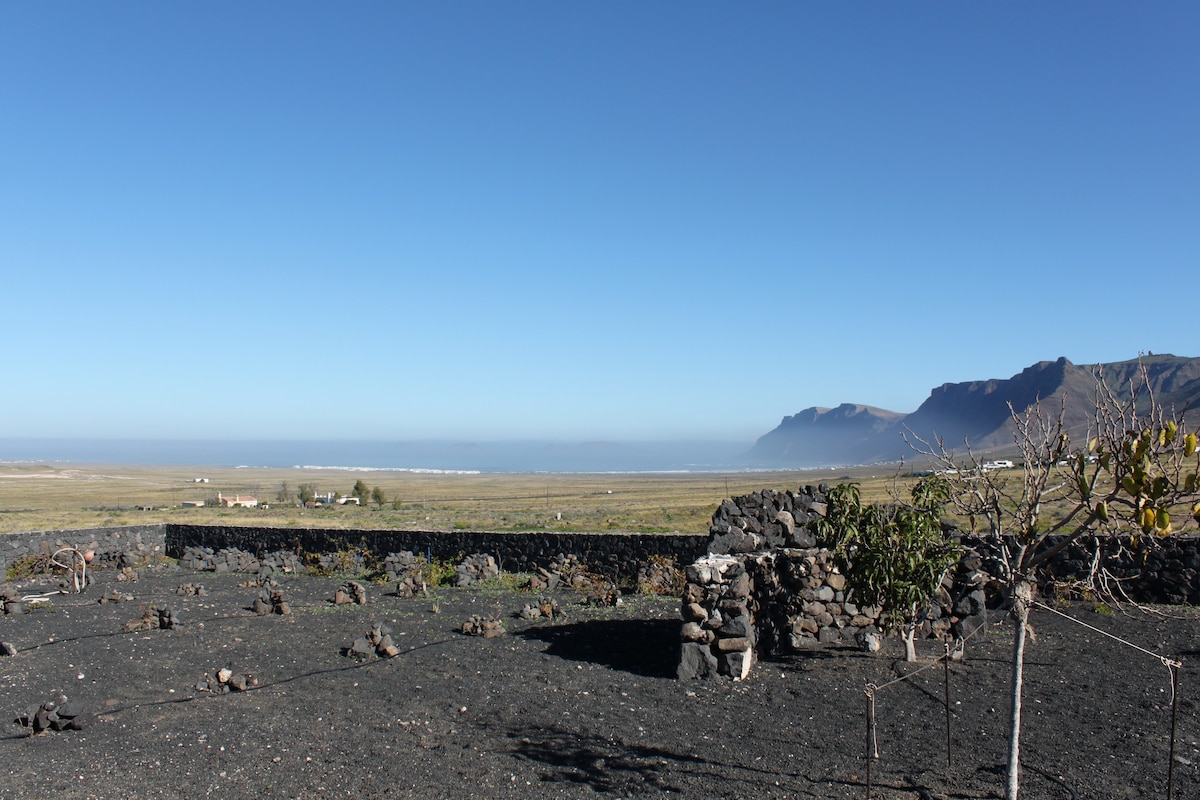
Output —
<point x="610" y="764"/>
<point x="647" y="647"/>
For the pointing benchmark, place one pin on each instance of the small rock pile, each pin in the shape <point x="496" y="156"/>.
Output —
<point x="487" y="627"/>
<point x="231" y="559"/>
<point x="543" y="579"/>
<point x="139" y="557"/>
<point x="474" y="569"/>
<point x="660" y="576"/>
<point x="227" y="559"/>
<point x="286" y="562"/>
<point x="408" y="571"/>
<point x="718" y="633"/>
<point x="377" y="640"/>
<point x="603" y="595"/>
<point x="564" y="571"/>
<point x="113" y="596"/>
<point x="12" y="604"/>
<point x="568" y="571"/>
<point x="270" y="601"/>
<point x="350" y="592"/>
<point x="398" y="565"/>
<point x="60" y="714"/>
<point x="191" y="590"/>
<point x="226" y="680"/>
<point x="412" y="585"/>
<point x="154" y="618"/>
<point x="544" y="608"/>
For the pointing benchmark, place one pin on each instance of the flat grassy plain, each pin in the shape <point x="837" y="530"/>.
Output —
<point x="60" y="495"/>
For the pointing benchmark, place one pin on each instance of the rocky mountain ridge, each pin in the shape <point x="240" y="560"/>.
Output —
<point x="972" y="411"/>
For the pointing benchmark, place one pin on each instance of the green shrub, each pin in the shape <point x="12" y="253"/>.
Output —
<point x="439" y="571"/>
<point x="26" y="566"/>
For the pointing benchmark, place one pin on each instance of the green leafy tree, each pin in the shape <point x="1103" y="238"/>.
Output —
<point x="361" y="491"/>
<point x="1134" y="471"/>
<point x="306" y="493"/>
<point x="377" y="496"/>
<point x="284" y="494"/>
<point x="893" y="555"/>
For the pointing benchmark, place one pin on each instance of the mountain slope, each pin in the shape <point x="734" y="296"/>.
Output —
<point x="974" y="411"/>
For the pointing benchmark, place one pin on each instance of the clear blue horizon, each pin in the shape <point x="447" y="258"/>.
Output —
<point x="537" y="221"/>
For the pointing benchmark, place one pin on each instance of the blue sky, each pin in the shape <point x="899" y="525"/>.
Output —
<point x="579" y="221"/>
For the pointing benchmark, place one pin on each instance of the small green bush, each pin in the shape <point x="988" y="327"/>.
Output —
<point x="26" y="566"/>
<point x="440" y="572"/>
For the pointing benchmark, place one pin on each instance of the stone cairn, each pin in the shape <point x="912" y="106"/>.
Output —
<point x="563" y="571"/>
<point x="113" y="596"/>
<point x="376" y="640"/>
<point x="603" y="595"/>
<point x="270" y="601"/>
<point x="60" y="714"/>
<point x="408" y="571"/>
<point x="660" y="576"/>
<point x="568" y="571"/>
<point x="488" y="627"/>
<point x="544" y="608"/>
<point x="226" y="680"/>
<point x="474" y="569"/>
<point x="767" y="589"/>
<point x="11" y="602"/>
<point x="350" y="592"/>
<point x="154" y="618"/>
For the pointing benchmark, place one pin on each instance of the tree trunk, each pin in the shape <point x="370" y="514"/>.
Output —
<point x="1022" y="597"/>
<point x="910" y="648"/>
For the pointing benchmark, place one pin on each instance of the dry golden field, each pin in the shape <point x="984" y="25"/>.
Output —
<point x="59" y="495"/>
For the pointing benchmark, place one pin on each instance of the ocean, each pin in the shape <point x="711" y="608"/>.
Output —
<point x="421" y="456"/>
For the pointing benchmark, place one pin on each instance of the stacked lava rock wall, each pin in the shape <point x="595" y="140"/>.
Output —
<point x="787" y="595"/>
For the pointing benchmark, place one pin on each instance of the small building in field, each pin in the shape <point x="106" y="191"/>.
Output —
<point x="238" y="501"/>
<point x="192" y="504"/>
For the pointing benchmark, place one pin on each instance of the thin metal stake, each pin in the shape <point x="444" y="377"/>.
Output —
<point x="1174" y="710"/>
<point x="872" y="744"/>
<point x="946" y="686"/>
<point x="870" y="714"/>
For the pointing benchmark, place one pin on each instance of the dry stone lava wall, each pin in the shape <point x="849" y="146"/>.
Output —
<point x="765" y="588"/>
<point x="617" y="556"/>
<point x="112" y="546"/>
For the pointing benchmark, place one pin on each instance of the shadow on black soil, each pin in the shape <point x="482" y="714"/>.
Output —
<point x="648" y="647"/>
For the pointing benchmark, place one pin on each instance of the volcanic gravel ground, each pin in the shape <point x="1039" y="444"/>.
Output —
<point x="583" y="707"/>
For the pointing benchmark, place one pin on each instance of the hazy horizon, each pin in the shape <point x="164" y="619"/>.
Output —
<point x="445" y="456"/>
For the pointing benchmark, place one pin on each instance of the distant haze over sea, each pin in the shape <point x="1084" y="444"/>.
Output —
<point x="703" y="456"/>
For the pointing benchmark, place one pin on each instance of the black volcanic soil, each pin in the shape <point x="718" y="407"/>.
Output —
<point x="585" y="707"/>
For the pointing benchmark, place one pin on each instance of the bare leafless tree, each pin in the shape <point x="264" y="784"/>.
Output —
<point x="1132" y="472"/>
